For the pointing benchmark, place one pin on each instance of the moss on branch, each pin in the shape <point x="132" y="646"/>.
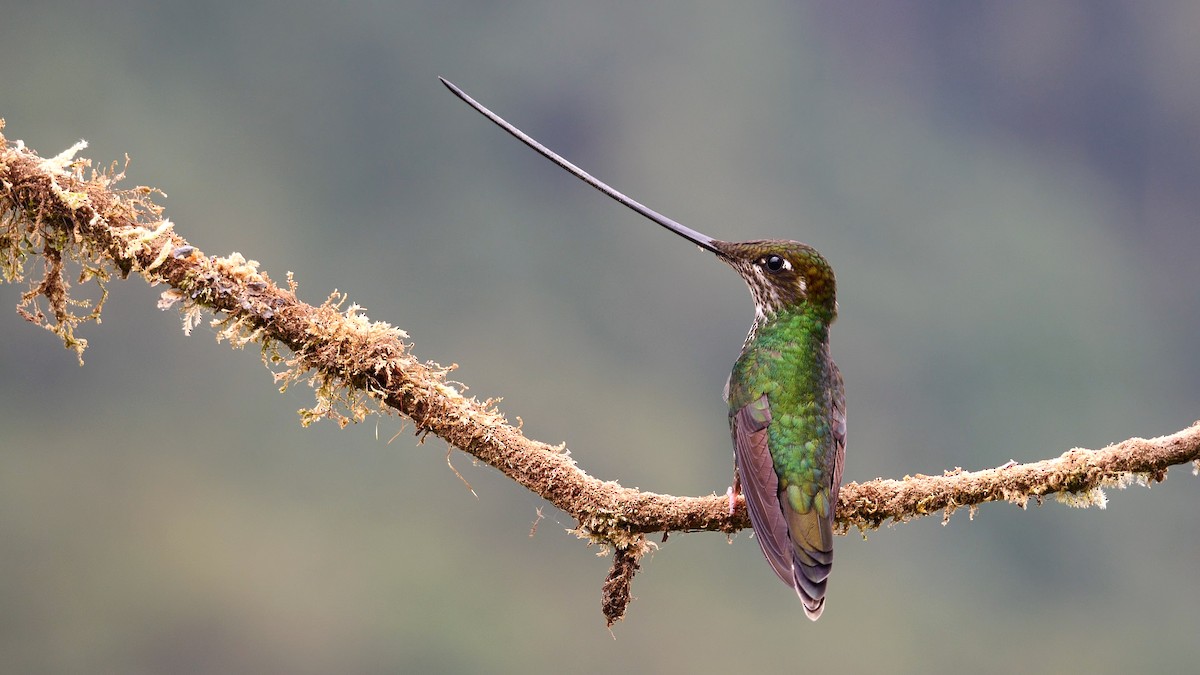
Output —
<point x="61" y="212"/>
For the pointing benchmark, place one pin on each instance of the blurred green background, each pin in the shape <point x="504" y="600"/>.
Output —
<point x="1007" y="191"/>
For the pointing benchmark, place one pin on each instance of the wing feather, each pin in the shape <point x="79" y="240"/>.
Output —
<point x="760" y="485"/>
<point x="798" y="546"/>
<point x="836" y="455"/>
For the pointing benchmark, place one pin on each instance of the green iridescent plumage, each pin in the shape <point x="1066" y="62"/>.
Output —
<point x="787" y="411"/>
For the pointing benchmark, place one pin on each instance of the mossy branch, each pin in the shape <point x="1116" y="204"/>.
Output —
<point x="61" y="211"/>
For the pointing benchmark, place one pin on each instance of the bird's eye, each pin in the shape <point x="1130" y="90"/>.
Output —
<point x="775" y="262"/>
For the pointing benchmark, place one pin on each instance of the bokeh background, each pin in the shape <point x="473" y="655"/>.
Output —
<point x="1007" y="191"/>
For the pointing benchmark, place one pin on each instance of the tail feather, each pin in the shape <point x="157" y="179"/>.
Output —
<point x="811" y="533"/>
<point x="809" y="583"/>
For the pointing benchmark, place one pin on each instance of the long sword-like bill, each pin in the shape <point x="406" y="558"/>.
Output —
<point x="702" y="240"/>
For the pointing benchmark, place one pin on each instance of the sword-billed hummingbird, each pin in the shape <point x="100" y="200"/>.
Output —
<point x="787" y="408"/>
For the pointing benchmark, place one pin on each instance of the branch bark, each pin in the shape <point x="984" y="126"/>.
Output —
<point x="59" y="210"/>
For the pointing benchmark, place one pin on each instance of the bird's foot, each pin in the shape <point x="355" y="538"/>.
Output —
<point x="732" y="495"/>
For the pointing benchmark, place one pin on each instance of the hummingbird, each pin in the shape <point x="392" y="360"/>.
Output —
<point x="787" y="406"/>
